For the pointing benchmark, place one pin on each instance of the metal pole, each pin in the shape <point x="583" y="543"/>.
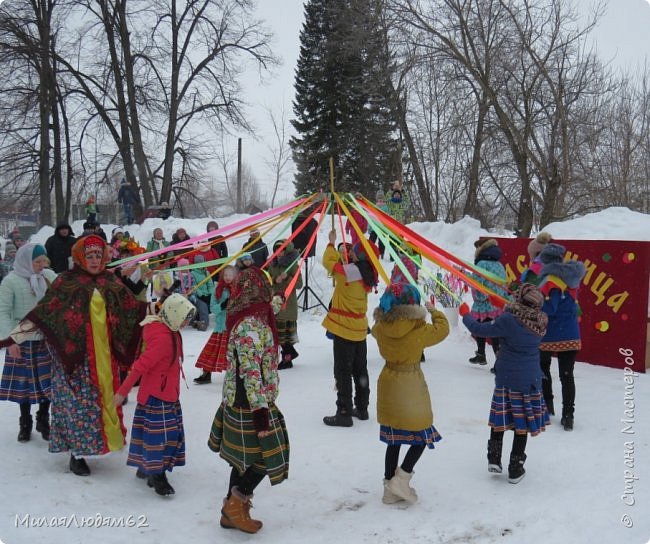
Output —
<point x="239" y="210"/>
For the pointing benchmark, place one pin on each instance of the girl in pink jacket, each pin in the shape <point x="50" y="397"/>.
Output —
<point x="157" y="436"/>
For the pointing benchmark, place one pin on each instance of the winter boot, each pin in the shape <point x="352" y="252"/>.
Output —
<point x="360" y="413"/>
<point x="516" y="469"/>
<point x="205" y="377"/>
<point x="79" y="466"/>
<point x="399" y="485"/>
<point x="235" y="513"/>
<point x="201" y="326"/>
<point x="390" y="497"/>
<point x="340" y="419"/>
<point x="160" y="484"/>
<point x="25" y="428"/>
<point x="494" y="455"/>
<point x="286" y="358"/>
<point x="567" y="417"/>
<point x="291" y="351"/>
<point x="478" y="359"/>
<point x="549" y="406"/>
<point x="43" y="423"/>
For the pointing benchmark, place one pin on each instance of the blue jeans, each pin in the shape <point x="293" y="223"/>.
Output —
<point x="128" y="212"/>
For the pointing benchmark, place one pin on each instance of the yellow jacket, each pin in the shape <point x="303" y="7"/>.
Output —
<point x="347" y="315"/>
<point x="403" y="400"/>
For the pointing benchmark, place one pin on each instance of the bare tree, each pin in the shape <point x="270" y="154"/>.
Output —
<point x="280" y="150"/>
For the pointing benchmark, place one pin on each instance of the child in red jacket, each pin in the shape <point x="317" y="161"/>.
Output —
<point x="157" y="436"/>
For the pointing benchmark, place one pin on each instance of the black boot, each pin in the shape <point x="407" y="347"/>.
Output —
<point x="286" y="359"/>
<point x="549" y="406"/>
<point x="516" y="467"/>
<point x="43" y="421"/>
<point x="205" y="377"/>
<point x="25" y="425"/>
<point x="478" y="359"/>
<point x="79" y="466"/>
<point x="494" y="455"/>
<point x="360" y="413"/>
<point x="292" y="351"/>
<point x="160" y="484"/>
<point x="547" y="389"/>
<point x="567" y="417"/>
<point x="340" y="419"/>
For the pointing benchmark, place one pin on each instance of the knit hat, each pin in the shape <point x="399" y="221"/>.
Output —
<point x="244" y="257"/>
<point x="530" y="296"/>
<point x="398" y="276"/>
<point x="483" y="244"/>
<point x="537" y="244"/>
<point x="552" y="253"/>
<point x="399" y="294"/>
<point x="380" y="195"/>
<point x="199" y="259"/>
<point x="10" y="249"/>
<point x="117" y="230"/>
<point x="38" y="251"/>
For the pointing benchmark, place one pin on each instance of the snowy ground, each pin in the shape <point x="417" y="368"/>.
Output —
<point x="575" y="489"/>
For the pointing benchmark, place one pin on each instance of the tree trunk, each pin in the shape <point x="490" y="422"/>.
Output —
<point x="472" y="207"/>
<point x="43" y="18"/>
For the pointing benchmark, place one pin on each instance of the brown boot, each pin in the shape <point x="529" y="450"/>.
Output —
<point x="236" y="511"/>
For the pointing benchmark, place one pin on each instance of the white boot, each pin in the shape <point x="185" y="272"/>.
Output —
<point x="390" y="497"/>
<point x="399" y="485"/>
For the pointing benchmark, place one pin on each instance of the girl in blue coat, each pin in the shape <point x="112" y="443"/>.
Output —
<point x="559" y="283"/>
<point x="517" y="401"/>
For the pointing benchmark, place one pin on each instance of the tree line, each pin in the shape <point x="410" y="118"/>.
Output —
<point x="495" y="109"/>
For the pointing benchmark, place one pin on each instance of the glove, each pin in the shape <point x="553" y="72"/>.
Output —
<point x="7" y="342"/>
<point x="261" y="419"/>
<point x="497" y="302"/>
<point x="224" y="304"/>
<point x="463" y="309"/>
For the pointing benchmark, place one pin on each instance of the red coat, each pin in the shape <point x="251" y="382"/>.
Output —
<point x="209" y="255"/>
<point x="158" y="366"/>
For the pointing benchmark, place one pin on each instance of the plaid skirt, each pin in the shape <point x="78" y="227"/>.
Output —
<point x="157" y="437"/>
<point x="287" y="331"/>
<point x="27" y="379"/>
<point x="213" y="355"/>
<point x="234" y="437"/>
<point x="393" y="437"/>
<point x="514" y="410"/>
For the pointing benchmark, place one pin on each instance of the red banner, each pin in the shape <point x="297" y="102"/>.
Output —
<point x="613" y="297"/>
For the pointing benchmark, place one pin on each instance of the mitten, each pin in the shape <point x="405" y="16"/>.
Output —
<point x="261" y="419"/>
<point x="496" y="301"/>
<point x="463" y="309"/>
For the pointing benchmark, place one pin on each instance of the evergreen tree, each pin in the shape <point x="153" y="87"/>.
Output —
<point x="341" y="105"/>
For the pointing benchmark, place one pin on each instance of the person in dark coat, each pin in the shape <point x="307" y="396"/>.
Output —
<point x="257" y="248"/>
<point x="218" y="242"/>
<point x="59" y="247"/>
<point x="517" y="401"/>
<point x="127" y="197"/>
<point x="559" y="282"/>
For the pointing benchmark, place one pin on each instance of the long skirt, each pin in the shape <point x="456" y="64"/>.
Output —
<point x="157" y="437"/>
<point x="426" y="437"/>
<point x="514" y="410"/>
<point x="287" y="331"/>
<point x="213" y="355"/>
<point x="84" y="420"/>
<point x="26" y="379"/>
<point x="234" y="437"/>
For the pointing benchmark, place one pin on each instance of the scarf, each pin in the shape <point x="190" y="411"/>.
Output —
<point x="251" y="295"/>
<point x="23" y="268"/>
<point x="63" y="314"/>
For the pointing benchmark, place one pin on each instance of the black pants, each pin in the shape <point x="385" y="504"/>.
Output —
<point x="392" y="458"/>
<point x="350" y="363"/>
<point x="480" y="342"/>
<point x="566" y="361"/>
<point x="518" y="441"/>
<point x="247" y="482"/>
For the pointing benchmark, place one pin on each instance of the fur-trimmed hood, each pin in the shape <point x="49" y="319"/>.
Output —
<point x="400" y="320"/>
<point x="570" y="272"/>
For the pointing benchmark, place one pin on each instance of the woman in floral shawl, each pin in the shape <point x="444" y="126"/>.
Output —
<point x="248" y="430"/>
<point x="90" y="322"/>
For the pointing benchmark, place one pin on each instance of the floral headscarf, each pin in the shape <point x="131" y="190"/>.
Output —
<point x="86" y="244"/>
<point x="399" y="294"/>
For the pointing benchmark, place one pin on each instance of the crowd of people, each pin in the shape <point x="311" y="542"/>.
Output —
<point x="80" y="334"/>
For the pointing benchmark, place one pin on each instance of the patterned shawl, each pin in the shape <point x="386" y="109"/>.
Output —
<point x="63" y="314"/>
<point x="526" y="308"/>
<point x="250" y="295"/>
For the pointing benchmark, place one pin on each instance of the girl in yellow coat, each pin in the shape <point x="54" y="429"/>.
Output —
<point x="403" y="403"/>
